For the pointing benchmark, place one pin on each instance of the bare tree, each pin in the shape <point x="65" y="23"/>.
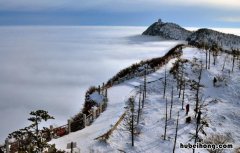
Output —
<point x="144" y="87"/>
<point x="165" y="127"/>
<point x="181" y="81"/>
<point x="183" y="96"/>
<point x="198" y="88"/>
<point x="165" y="83"/>
<point x="209" y="59"/>
<point x="99" y="89"/>
<point x="206" y="58"/>
<point x="130" y="119"/>
<point x="171" y="104"/>
<point x="139" y="103"/>
<point x="176" y="133"/>
<point x="103" y="86"/>
<point x="224" y="62"/>
<point x="233" y="61"/>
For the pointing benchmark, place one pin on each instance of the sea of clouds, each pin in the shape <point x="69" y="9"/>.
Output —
<point x="51" y="67"/>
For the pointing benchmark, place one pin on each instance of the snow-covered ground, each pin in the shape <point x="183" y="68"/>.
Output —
<point x="222" y="116"/>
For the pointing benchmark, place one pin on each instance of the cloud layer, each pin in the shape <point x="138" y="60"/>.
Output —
<point x="51" y="67"/>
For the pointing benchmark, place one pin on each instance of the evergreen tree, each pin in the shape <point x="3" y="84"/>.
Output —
<point x="30" y="139"/>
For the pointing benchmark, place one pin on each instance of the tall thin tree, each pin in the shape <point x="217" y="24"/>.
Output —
<point x="139" y="103"/>
<point x="181" y="81"/>
<point x="165" y="127"/>
<point x="176" y="133"/>
<point x="165" y="83"/>
<point x="183" y="96"/>
<point x="224" y="62"/>
<point x="171" y="104"/>
<point x="233" y="61"/>
<point x="206" y="57"/>
<point x="198" y="88"/>
<point x="209" y="59"/>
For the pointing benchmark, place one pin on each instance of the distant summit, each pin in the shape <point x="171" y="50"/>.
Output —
<point x="200" y="38"/>
<point x="167" y="31"/>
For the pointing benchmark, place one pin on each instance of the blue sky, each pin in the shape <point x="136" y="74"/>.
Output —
<point x="188" y="13"/>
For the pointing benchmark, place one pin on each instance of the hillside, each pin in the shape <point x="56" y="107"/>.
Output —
<point x="218" y="103"/>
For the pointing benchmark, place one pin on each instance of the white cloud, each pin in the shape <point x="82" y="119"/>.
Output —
<point x="121" y="5"/>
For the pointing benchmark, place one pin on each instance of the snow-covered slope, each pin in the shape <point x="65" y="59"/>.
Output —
<point x="167" y="31"/>
<point x="220" y="110"/>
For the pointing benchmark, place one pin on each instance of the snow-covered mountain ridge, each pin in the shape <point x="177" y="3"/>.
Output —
<point x="210" y="38"/>
<point x="200" y="38"/>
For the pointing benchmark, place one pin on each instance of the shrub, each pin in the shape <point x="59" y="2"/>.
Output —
<point x="218" y="139"/>
<point x="188" y="119"/>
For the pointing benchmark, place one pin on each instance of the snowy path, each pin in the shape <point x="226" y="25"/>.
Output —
<point x="85" y="137"/>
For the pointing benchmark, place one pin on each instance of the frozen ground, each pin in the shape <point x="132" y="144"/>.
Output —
<point x="222" y="116"/>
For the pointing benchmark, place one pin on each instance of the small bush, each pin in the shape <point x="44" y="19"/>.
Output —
<point x="218" y="139"/>
<point x="188" y="119"/>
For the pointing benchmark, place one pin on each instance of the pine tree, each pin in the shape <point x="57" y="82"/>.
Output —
<point x="37" y="117"/>
<point x="31" y="135"/>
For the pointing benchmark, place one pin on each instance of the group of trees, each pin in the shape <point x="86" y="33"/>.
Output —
<point x="214" y="49"/>
<point x="194" y="82"/>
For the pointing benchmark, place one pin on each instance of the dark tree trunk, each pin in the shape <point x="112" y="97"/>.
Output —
<point x="165" y="128"/>
<point x="176" y="133"/>
<point x="184" y="84"/>
<point x="171" y="103"/>
<point x="165" y="83"/>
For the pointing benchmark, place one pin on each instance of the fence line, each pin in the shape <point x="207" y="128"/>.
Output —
<point x="106" y="135"/>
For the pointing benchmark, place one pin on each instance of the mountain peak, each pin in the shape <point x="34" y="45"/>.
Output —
<point x="167" y="31"/>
